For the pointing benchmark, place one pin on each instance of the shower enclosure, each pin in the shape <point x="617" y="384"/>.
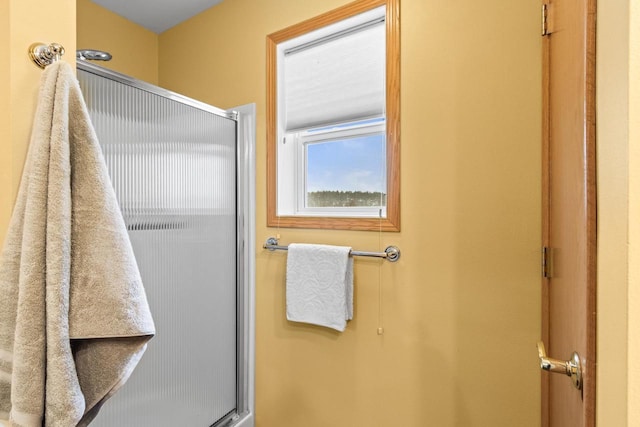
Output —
<point x="183" y="175"/>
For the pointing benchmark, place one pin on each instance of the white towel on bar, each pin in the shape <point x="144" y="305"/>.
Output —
<point x="320" y="285"/>
<point x="74" y="318"/>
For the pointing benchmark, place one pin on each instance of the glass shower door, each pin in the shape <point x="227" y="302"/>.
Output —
<point x="173" y="167"/>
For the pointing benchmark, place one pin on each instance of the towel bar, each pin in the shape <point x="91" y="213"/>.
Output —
<point x="391" y="253"/>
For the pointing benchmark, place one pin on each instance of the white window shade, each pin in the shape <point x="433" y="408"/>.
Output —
<point x="336" y="80"/>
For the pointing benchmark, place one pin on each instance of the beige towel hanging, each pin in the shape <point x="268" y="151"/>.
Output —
<point x="74" y="318"/>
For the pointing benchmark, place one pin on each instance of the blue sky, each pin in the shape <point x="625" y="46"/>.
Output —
<point x="356" y="164"/>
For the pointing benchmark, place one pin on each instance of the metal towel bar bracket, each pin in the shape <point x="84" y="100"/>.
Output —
<point x="391" y="253"/>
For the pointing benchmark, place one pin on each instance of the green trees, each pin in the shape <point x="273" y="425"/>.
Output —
<point x="326" y="199"/>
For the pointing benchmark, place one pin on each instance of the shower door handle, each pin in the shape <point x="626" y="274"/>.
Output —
<point x="571" y="368"/>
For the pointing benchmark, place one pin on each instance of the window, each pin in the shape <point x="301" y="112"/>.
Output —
<point x="333" y="120"/>
<point x="341" y="171"/>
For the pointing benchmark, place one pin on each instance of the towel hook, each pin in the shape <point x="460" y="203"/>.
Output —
<point x="45" y="54"/>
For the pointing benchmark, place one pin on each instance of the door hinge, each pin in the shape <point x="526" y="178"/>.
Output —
<point x="547" y="262"/>
<point x="546" y="19"/>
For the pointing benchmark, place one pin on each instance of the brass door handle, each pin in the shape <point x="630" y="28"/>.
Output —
<point x="571" y="368"/>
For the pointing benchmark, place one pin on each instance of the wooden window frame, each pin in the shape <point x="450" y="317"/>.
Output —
<point x="392" y="22"/>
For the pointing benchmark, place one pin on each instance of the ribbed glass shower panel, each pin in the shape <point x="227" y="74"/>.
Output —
<point x="173" y="167"/>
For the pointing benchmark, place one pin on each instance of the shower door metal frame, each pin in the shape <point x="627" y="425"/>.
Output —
<point x="246" y="206"/>
<point x="244" y="117"/>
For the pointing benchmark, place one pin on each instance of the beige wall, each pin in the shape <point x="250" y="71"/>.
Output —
<point x="634" y="212"/>
<point x="22" y="24"/>
<point x="134" y="48"/>
<point x="613" y="218"/>
<point x="461" y="310"/>
<point x="6" y="144"/>
<point x="618" y="86"/>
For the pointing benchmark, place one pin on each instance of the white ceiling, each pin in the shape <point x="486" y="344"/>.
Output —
<point x="157" y="15"/>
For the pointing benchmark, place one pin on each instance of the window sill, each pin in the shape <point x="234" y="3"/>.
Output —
<point x="332" y="223"/>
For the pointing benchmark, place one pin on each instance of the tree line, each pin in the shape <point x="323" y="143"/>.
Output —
<point x="325" y="199"/>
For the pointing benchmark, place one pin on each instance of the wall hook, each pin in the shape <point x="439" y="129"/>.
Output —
<point x="45" y="54"/>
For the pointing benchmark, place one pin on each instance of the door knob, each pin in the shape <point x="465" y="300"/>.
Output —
<point x="571" y="368"/>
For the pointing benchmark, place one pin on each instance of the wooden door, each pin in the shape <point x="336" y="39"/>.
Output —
<point x="569" y="208"/>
